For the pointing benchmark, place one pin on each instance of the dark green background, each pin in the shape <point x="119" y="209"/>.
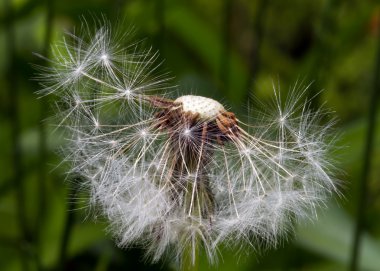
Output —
<point x="229" y="50"/>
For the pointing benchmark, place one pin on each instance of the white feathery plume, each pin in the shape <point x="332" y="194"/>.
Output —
<point x="171" y="173"/>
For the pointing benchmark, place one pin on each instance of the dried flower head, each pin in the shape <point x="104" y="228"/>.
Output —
<point x="176" y="173"/>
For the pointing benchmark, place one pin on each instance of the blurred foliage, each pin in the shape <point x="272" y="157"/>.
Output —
<point x="230" y="50"/>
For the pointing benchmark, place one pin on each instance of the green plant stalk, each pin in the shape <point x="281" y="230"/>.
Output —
<point x="160" y="36"/>
<point x="188" y="263"/>
<point x="70" y="221"/>
<point x="224" y="69"/>
<point x="16" y="133"/>
<point x="323" y="50"/>
<point x="254" y="56"/>
<point x="199" y="200"/>
<point x="42" y="130"/>
<point x="190" y="255"/>
<point x="368" y="151"/>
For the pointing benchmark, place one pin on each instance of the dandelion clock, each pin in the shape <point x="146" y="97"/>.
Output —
<point x="182" y="174"/>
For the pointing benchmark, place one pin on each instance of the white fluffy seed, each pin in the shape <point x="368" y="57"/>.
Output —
<point x="206" y="108"/>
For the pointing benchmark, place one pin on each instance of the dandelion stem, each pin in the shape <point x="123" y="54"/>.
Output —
<point x="190" y="257"/>
<point x="363" y="189"/>
<point x="160" y="19"/>
<point x="323" y="53"/>
<point x="68" y="227"/>
<point x="225" y="53"/>
<point x="15" y="132"/>
<point x="42" y="129"/>
<point x="258" y="33"/>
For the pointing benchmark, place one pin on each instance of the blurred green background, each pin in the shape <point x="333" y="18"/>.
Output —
<point x="229" y="50"/>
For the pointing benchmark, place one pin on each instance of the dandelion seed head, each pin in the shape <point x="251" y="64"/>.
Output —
<point x="172" y="172"/>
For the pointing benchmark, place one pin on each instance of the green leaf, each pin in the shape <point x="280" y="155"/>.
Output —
<point x="331" y="236"/>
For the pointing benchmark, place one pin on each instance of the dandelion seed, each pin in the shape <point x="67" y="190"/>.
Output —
<point x="176" y="173"/>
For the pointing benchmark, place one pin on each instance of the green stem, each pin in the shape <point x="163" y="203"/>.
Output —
<point x="70" y="220"/>
<point x="190" y="257"/>
<point x="16" y="133"/>
<point x="225" y="53"/>
<point x="258" y="35"/>
<point x="160" y="19"/>
<point x="363" y="189"/>
<point x="323" y="50"/>
<point x="42" y="130"/>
